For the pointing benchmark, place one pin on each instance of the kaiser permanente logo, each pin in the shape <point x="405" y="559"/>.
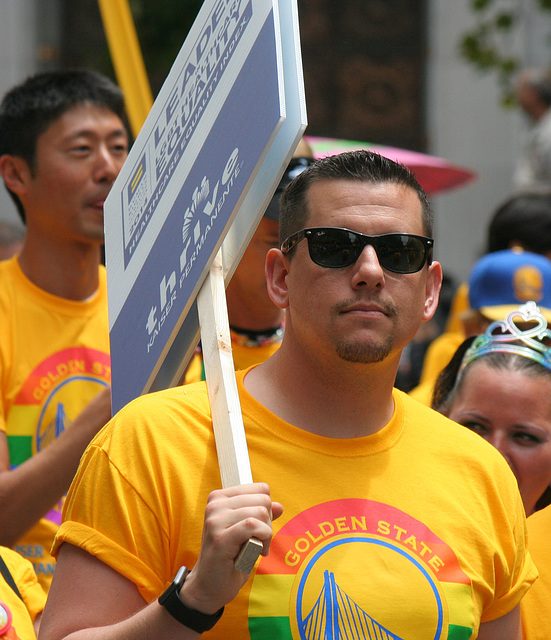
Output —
<point x="348" y="568"/>
<point x="179" y="117"/>
<point x="199" y="219"/>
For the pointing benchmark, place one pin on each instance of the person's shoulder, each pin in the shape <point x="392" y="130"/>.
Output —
<point x="423" y="392"/>
<point x="154" y="425"/>
<point x="7" y="263"/>
<point x="417" y="412"/>
<point x="175" y="396"/>
<point x="439" y="353"/>
<point x="420" y="414"/>
<point x="166" y="405"/>
<point x="412" y="405"/>
<point x="454" y="451"/>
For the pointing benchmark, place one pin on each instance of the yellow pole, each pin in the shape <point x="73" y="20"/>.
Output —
<point x="127" y="60"/>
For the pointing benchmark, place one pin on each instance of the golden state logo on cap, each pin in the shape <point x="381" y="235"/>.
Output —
<point x="502" y="280"/>
<point x="528" y="283"/>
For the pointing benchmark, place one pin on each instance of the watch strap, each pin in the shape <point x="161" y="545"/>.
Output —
<point x="190" y="618"/>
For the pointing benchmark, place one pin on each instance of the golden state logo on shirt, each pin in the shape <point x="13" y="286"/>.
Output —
<point x="53" y="395"/>
<point x="346" y="568"/>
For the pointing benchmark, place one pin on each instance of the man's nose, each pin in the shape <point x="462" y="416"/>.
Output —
<point x="367" y="269"/>
<point x="107" y="165"/>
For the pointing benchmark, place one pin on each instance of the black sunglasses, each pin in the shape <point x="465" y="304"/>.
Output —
<point x="335" y="248"/>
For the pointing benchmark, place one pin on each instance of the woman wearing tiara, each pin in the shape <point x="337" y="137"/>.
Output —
<point x="498" y="384"/>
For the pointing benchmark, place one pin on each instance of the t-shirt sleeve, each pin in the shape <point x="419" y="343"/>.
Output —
<point x="513" y="568"/>
<point x="137" y="500"/>
<point x="99" y="517"/>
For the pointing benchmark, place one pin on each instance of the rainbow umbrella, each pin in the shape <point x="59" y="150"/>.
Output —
<point x="434" y="174"/>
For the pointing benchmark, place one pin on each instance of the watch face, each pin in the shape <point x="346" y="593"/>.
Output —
<point x="181" y="577"/>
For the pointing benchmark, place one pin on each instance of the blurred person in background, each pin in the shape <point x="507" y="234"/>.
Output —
<point x="522" y="221"/>
<point x="22" y="599"/>
<point x="533" y="95"/>
<point x="63" y="141"/>
<point x="498" y="384"/>
<point x="499" y="282"/>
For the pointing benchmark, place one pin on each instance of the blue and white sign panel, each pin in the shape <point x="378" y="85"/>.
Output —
<point x="207" y="160"/>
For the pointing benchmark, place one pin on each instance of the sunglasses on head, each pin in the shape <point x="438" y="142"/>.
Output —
<point x="334" y="248"/>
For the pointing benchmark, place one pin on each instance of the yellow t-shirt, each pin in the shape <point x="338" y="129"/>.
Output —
<point x="418" y="530"/>
<point x="54" y="358"/>
<point x="23" y="611"/>
<point x="536" y="605"/>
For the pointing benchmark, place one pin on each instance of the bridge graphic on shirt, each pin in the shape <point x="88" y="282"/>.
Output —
<point x="335" y="616"/>
<point x="55" y="427"/>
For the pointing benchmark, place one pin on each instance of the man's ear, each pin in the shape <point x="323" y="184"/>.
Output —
<point x="15" y="173"/>
<point x="277" y="270"/>
<point x="432" y="290"/>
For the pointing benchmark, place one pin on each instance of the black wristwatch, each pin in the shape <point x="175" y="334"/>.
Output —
<point x="190" y="618"/>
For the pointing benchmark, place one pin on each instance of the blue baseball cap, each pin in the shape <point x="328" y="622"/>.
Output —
<point x="502" y="280"/>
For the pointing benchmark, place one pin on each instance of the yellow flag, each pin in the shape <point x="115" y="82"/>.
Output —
<point x="127" y="60"/>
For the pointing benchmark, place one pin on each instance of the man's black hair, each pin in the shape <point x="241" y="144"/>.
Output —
<point x="360" y="166"/>
<point x="29" y="109"/>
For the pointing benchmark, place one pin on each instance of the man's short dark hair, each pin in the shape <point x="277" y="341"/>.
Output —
<point x="361" y="166"/>
<point x="29" y="109"/>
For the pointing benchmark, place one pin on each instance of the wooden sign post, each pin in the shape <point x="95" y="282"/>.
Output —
<point x="229" y="432"/>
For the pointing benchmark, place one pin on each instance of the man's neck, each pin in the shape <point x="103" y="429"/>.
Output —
<point x="69" y="272"/>
<point x="335" y="399"/>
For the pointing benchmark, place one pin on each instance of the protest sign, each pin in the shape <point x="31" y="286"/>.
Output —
<point x="200" y="173"/>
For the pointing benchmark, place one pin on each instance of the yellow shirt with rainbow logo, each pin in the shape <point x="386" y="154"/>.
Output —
<point x="416" y="532"/>
<point x="54" y="358"/>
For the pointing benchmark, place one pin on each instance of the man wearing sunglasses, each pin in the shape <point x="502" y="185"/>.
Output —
<point x="378" y="517"/>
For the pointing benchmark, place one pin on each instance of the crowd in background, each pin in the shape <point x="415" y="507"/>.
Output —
<point x="482" y="358"/>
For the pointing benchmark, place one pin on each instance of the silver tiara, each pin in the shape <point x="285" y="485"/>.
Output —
<point x="505" y="336"/>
